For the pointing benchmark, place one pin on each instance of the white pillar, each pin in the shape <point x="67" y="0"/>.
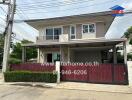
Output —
<point x="57" y="68"/>
<point x="38" y="58"/>
<point x="61" y="53"/>
<point x="68" y="54"/>
<point x="23" y="54"/>
<point x="125" y="52"/>
<point x="114" y="55"/>
<point x="129" y="66"/>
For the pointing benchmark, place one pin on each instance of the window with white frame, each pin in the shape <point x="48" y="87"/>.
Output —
<point x="53" y="33"/>
<point x="88" y="28"/>
<point x="72" y="32"/>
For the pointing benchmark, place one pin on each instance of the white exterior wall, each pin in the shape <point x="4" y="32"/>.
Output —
<point x="41" y="31"/>
<point x="79" y="34"/>
<point x="89" y="36"/>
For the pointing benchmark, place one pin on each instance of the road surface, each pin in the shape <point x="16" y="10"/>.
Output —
<point x="15" y="92"/>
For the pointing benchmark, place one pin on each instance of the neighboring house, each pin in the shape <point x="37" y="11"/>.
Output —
<point x="128" y="46"/>
<point x="78" y="38"/>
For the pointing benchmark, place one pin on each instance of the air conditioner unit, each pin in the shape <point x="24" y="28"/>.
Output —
<point x="63" y="38"/>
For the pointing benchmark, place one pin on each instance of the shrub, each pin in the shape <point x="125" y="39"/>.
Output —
<point x="14" y="61"/>
<point x="26" y="76"/>
<point x="129" y="56"/>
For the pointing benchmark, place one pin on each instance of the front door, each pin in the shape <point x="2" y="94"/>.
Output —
<point x="53" y="57"/>
<point x="49" y="57"/>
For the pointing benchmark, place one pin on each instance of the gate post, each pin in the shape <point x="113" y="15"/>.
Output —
<point x="125" y="53"/>
<point x="57" y="68"/>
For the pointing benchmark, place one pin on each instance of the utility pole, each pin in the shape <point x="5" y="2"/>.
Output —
<point x="8" y="32"/>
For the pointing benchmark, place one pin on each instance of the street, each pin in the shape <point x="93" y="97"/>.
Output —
<point x="15" y="92"/>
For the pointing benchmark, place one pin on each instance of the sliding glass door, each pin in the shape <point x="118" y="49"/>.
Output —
<point x="53" y="33"/>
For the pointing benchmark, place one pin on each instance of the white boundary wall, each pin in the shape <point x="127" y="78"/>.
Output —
<point x="57" y="68"/>
<point x="129" y="64"/>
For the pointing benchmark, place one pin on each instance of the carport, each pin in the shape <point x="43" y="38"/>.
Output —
<point x="82" y="51"/>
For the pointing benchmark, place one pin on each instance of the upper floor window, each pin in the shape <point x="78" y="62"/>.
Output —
<point x="53" y="33"/>
<point x="49" y="34"/>
<point x="72" y="32"/>
<point x="88" y="28"/>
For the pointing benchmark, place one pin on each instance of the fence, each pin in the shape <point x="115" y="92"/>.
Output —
<point x="33" y="67"/>
<point x="100" y="73"/>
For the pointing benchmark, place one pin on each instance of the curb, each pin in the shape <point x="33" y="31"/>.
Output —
<point x="32" y="84"/>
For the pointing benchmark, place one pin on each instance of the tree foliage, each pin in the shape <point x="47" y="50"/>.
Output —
<point x="17" y="51"/>
<point x="128" y="34"/>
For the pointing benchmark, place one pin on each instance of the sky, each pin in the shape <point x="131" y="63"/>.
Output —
<point x="34" y="9"/>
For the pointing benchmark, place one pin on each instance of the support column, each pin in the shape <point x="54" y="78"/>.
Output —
<point x="60" y="53"/>
<point x="23" y="54"/>
<point x="125" y="52"/>
<point x="38" y="58"/>
<point x="114" y="55"/>
<point x="68" y="54"/>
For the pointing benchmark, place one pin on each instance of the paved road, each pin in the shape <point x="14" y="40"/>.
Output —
<point x="11" y="92"/>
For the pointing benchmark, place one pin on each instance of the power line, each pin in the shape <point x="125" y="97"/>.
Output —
<point x="25" y="3"/>
<point x="2" y="25"/>
<point x="23" y="15"/>
<point x="97" y="4"/>
<point x="54" y="4"/>
<point x="3" y="19"/>
<point x="16" y="39"/>
<point x="45" y="1"/>
<point x="3" y="10"/>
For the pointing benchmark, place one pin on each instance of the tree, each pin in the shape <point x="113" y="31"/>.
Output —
<point x="1" y="47"/>
<point x="128" y="34"/>
<point x="17" y="51"/>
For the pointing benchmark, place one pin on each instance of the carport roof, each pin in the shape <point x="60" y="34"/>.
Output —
<point x="88" y="42"/>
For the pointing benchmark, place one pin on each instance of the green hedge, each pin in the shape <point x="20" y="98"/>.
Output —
<point x="25" y="76"/>
<point x="14" y="61"/>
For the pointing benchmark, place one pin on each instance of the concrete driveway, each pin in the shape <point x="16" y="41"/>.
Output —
<point x="11" y="92"/>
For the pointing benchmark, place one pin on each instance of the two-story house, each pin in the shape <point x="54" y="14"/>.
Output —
<point x="77" y="38"/>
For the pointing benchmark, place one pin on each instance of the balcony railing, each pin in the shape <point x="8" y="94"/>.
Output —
<point x="52" y="38"/>
<point x="47" y="38"/>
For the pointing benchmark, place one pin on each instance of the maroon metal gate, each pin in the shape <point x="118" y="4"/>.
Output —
<point x="102" y="73"/>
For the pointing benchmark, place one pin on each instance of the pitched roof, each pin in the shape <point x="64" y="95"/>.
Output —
<point x="96" y="17"/>
<point x="73" y="16"/>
